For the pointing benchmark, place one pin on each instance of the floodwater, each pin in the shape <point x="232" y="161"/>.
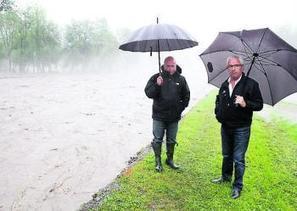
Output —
<point x="65" y="136"/>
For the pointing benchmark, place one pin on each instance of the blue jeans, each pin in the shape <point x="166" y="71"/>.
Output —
<point x="234" y="146"/>
<point x="159" y="129"/>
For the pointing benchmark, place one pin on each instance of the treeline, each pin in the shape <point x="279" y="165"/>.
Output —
<point x="29" y="42"/>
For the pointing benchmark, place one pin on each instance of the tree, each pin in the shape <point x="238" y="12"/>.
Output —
<point x="85" y="40"/>
<point x="38" y="41"/>
<point x="28" y="41"/>
<point x="6" y="5"/>
<point x="9" y="24"/>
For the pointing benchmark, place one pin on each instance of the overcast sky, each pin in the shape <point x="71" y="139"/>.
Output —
<point x="202" y="19"/>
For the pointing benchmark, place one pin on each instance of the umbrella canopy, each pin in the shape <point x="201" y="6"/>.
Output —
<point x="267" y="58"/>
<point x="157" y="38"/>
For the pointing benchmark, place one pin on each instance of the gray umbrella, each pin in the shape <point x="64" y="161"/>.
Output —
<point x="268" y="59"/>
<point x="158" y="37"/>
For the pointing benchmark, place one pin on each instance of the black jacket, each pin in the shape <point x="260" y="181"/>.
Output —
<point x="171" y="98"/>
<point x="231" y="115"/>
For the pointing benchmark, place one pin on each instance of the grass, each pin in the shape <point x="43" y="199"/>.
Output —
<point x="270" y="181"/>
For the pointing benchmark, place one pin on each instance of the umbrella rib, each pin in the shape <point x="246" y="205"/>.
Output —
<point x="219" y="72"/>
<point x="179" y="42"/>
<point x="270" y="52"/>
<point x="147" y="45"/>
<point x="261" y="40"/>
<point x="244" y="43"/>
<point x="245" y="58"/>
<point x="277" y="50"/>
<point x="168" y="44"/>
<point x="247" y="48"/>
<point x="267" y="60"/>
<point x="260" y="63"/>
<point x="265" y="73"/>
<point x="267" y="54"/>
<point x="275" y="64"/>
<point x="282" y="67"/>
<point x="218" y="51"/>
<point x="238" y="52"/>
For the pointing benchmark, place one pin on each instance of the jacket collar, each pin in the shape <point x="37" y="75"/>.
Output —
<point x="226" y="82"/>
<point x="167" y="74"/>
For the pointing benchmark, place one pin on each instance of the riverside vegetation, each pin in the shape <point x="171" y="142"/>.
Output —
<point x="270" y="178"/>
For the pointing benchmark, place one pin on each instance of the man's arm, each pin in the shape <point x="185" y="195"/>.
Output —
<point x="256" y="103"/>
<point x="152" y="89"/>
<point x="185" y="94"/>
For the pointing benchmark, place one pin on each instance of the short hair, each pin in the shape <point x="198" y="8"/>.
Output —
<point x="168" y="58"/>
<point x="239" y="58"/>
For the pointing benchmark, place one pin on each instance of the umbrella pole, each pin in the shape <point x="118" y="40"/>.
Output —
<point x="252" y="63"/>
<point x="159" y="58"/>
<point x="247" y="75"/>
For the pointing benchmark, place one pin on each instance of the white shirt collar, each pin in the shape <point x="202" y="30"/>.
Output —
<point x="230" y="86"/>
<point x="229" y="79"/>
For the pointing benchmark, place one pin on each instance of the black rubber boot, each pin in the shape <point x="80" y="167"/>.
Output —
<point x="170" y="152"/>
<point x="157" y="150"/>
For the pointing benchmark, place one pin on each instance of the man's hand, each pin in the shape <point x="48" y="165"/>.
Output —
<point x="240" y="100"/>
<point x="159" y="80"/>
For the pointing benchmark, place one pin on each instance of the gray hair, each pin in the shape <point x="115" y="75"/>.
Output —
<point x="239" y="58"/>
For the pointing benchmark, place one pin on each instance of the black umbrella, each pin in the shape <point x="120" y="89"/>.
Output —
<point x="269" y="60"/>
<point x="158" y="37"/>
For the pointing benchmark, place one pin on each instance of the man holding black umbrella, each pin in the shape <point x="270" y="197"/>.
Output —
<point x="238" y="97"/>
<point x="171" y="96"/>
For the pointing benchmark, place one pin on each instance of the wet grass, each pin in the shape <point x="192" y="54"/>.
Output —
<point x="270" y="178"/>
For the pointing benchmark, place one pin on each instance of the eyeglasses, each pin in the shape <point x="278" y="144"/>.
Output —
<point x="235" y="65"/>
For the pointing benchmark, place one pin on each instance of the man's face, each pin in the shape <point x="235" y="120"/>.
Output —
<point x="170" y="66"/>
<point x="235" y="69"/>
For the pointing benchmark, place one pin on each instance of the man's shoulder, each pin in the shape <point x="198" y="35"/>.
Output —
<point x="251" y="81"/>
<point x="155" y="75"/>
<point x="225" y="83"/>
<point x="181" y="77"/>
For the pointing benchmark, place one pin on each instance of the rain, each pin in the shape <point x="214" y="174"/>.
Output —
<point x="72" y="107"/>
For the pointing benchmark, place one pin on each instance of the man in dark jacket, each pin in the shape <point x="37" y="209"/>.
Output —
<point x="238" y="97"/>
<point x="171" y="96"/>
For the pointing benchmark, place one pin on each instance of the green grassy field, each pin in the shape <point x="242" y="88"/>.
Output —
<point x="270" y="181"/>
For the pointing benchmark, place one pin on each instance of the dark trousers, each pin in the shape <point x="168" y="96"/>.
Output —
<point x="159" y="129"/>
<point x="234" y="146"/>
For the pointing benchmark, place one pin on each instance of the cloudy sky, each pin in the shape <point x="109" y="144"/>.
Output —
<point x="203" y="19"/>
